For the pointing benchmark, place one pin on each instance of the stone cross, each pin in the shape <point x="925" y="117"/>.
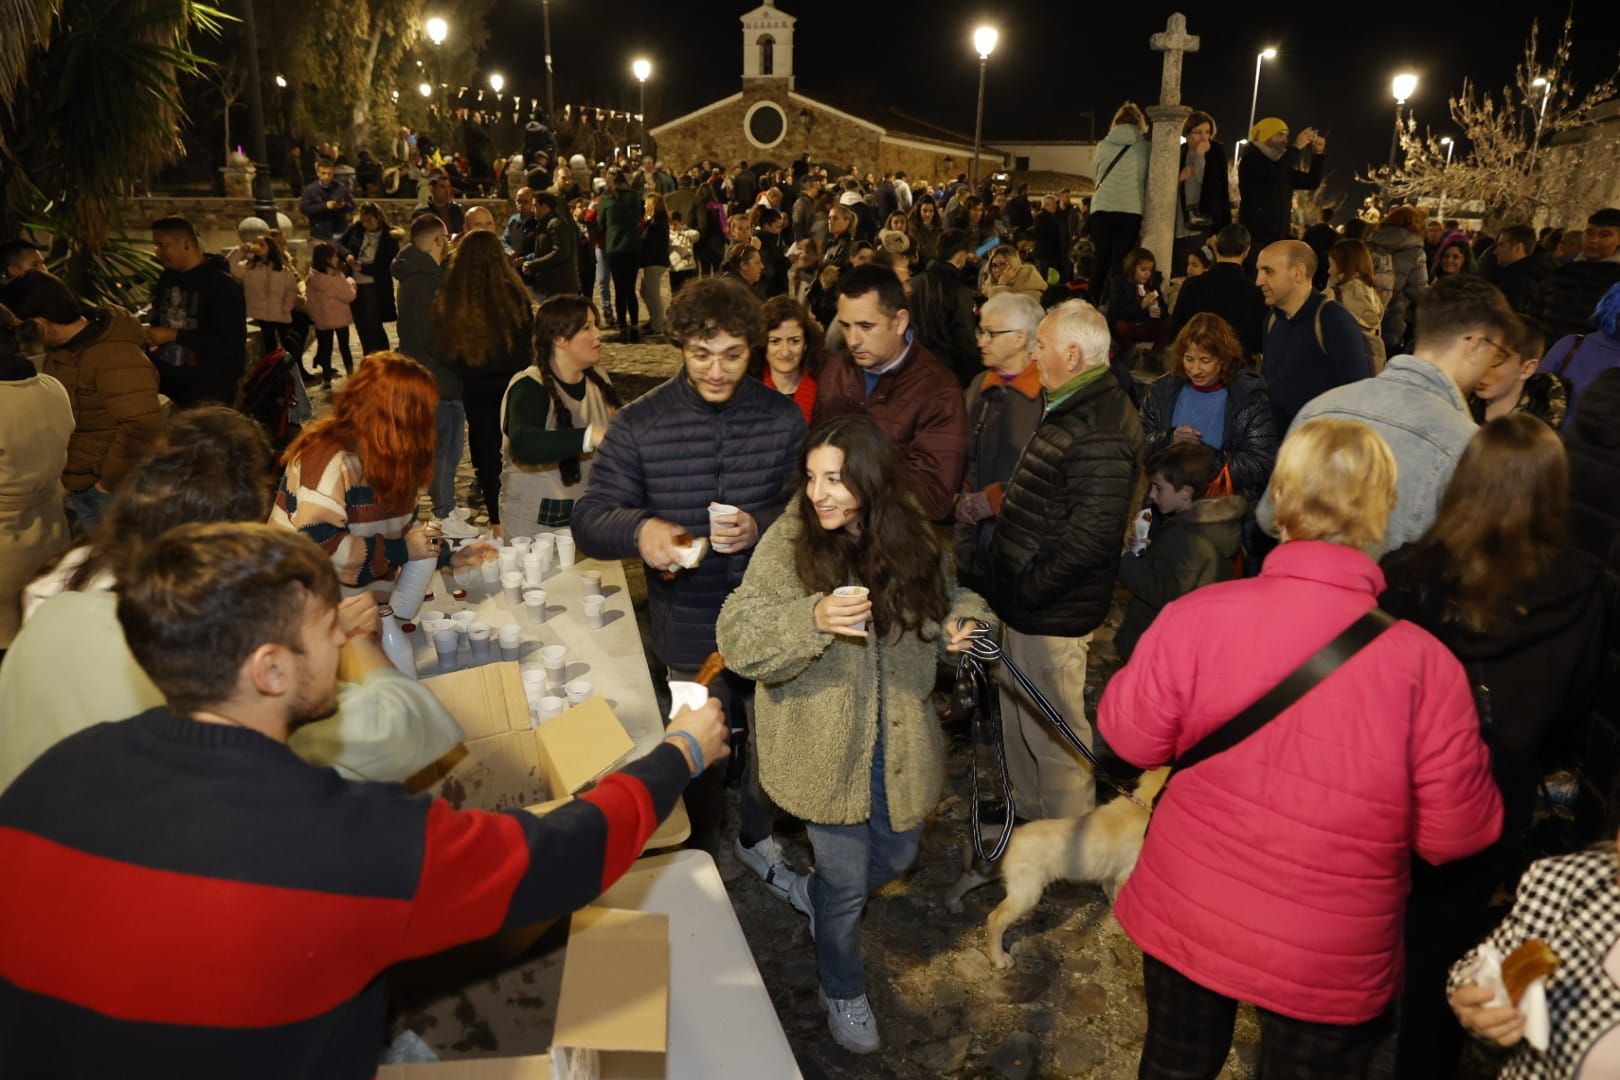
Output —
<point x="1164" y="166"/>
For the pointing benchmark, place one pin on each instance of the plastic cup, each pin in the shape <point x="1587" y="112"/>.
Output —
<point x="578" y="691"/>
<point x="521" y="544"/>
<point x="478" y="637"/>
<point x="565" y="550"/>
<point x="686" y="695"/>
<point x="491" y="571"/>
<point x="593" y="612"/>
<point x="592" y="581"/>
<point x="551" y="706"/>
<point x="534" y="605"/>
<point x="555" y="657"/>
<point x="445" y="641"/>
<point x="464" y="619"/>
<point x="511" y="640"/>
<point x="859" y="592"/>
<point x="719" y="510"/>
<point x="426" y="619"/>
<point x="512" y="587"/>
<point x="544" y="542"/>
<point x="534" y="688"/>
<point x="509" y="559"/>
<point x="535" y="566"/>
<point x="411" y="587"/>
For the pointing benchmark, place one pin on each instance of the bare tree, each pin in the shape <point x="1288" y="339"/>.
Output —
<point x="1507" y="167"/>
<point x="229" y="79"/>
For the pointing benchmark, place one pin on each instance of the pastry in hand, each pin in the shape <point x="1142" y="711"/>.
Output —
<point x="1530" y="961"/>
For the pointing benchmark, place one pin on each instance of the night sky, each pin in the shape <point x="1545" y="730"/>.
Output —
<point x="1057" y="60"/>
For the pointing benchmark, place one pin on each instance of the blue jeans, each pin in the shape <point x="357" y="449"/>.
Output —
<point x="87" y="508"/>
<point x="604" y="280"/>
<point x="852" y="862"/>
<point x="449" y="436"/>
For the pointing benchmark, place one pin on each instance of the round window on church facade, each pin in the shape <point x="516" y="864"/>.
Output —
<point x="765" y="124"/>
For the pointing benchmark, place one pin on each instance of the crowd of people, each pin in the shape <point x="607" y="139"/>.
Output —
<point x="905" y="415"/>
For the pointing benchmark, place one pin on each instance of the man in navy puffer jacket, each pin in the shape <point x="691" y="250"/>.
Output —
<point x="709" y="435"/>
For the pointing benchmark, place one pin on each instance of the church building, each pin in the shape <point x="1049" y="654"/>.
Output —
<point x="770" y="121"/>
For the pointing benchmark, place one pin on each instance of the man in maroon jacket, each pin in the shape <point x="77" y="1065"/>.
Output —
<point x="885" y="372"/>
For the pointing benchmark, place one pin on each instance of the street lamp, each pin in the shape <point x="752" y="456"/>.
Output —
<point x="1403" y="86"/>
<point x="545" y="19"/>
<point x="984" y="41"/>
<point x="1259" y="58"/>
<point x="496" y="82"/>
<point x="281" y="82"/>
<point x="425" y="89"/>
<point x="1539" y="83"/>
<point x="642" y="67"/>
<point x="437" y="30"/>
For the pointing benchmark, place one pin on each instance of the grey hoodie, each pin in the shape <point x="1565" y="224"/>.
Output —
<point x="419" y="276"/>
<point x="1422" y="416"/>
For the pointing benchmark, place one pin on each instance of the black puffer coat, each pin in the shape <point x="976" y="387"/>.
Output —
<point x="1594" y="471"/>
<point x="1249" y="443"/>
<point x="669" y="455"/>
<point x="1570" y="293"/>
<point x="1055" y="554"/>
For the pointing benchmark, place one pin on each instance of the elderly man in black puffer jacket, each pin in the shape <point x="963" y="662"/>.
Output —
<point x="1055" y="554"/>
<point x="708" y="435"/>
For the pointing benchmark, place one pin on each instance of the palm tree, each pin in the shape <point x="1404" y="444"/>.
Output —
<point x="30" y="28"/>
<point x="97" y="108"/>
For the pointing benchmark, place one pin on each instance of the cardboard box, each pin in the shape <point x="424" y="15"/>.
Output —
<point x="507" y="764"/>
<point x="612" y="1019"/>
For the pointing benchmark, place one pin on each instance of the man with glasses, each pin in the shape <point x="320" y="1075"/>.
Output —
<point x="1311" y="343"/>
<point x="1419" y="402"/>
<point x="708" y="435"/>
<point x="886" y="373"/>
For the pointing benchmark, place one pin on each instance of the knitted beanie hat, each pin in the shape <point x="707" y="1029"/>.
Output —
<point x="1266" y="129"/>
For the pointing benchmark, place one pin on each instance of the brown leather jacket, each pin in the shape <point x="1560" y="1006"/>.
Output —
<point x="919" y="406"/>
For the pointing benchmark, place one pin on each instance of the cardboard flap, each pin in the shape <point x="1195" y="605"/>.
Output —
<point x="485" y="700"/>
<point x="581" y="745"/>
<point x="615" y="986"/>
<point x="529" y="1067"/>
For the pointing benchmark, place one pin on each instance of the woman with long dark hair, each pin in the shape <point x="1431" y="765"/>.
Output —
<point x="1528" y="616"/>
<point x="483" y="323"/>
<point x="369" y="247"/>
<point x="1352" y="283"/>
<point x="1203" y="196"/>
<point x="791" y="358"/>
<point x="923" y="226"/>
<point x="711" y="246"/>
<point x="350" y="480"/>
<point x="553" y="417"/>
<point x="845" y="736"/>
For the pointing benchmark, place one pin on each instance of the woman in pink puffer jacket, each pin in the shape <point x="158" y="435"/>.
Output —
<point x="1277" y="872"/>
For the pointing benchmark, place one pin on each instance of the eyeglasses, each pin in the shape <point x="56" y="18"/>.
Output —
<point x="729" y="361"/>
<point x="982" y="332"/>
<point x="1503" y="353"/>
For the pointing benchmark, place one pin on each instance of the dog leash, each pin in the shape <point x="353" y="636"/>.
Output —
<point x="983" y="649"/>
<point x="976" y="695"/>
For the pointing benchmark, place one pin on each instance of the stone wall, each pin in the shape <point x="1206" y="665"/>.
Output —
<point x="216" y="219"/>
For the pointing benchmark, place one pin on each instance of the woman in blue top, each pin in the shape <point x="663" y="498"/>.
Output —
<point x="1210" y="397"/>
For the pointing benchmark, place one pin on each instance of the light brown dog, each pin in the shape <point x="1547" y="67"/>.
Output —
<point x="1099" y="848"/>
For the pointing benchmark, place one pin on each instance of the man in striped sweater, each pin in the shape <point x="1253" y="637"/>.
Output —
<point x="184" y="897"/>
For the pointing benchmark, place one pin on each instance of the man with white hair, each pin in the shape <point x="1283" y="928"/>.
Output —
<point x="1055" y="552"/>
<point x="1003" y="406"/>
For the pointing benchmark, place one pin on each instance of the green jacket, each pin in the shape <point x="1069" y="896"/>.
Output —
<point x="621" y="222"/>
<point x="818" y="703"/>
<point x="1196" y="547"/>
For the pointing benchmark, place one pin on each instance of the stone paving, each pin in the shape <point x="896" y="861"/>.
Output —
<point x="1072" y="1005"/>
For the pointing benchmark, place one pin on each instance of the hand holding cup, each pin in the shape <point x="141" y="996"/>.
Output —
<point x="841" y="612"/>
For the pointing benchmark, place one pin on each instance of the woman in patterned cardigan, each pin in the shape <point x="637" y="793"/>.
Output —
<point x="351" y="479"/>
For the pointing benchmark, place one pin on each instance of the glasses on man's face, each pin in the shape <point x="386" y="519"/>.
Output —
<point x="730" y="360"/>
<point x="1503" y="353"/>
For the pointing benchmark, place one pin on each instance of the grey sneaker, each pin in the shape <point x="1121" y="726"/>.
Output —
<point x="798" y="894"/>
<point x="768" y="863"/>
<point x="852" y="1024"/>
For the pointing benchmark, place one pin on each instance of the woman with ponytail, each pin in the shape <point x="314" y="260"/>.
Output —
<point x="553" y="417"/>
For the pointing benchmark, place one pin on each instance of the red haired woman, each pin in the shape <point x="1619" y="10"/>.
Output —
<point x="351" y="479"/>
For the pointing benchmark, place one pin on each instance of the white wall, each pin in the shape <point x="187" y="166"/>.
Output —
<point x="1072" y="157"/>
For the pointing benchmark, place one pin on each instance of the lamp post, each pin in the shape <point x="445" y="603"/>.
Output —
<point x="264" y="204"/>
<point x="1254" y="102"/>
<point x="545" y="21"/>
<point x="497" y="82"/>
<point x="642" y="68"/>
<point x="984" y="40"/>
<point x="437" y="31"/>
<point x="1541" y="84"/>
<point x="1403" y="86"/>
<point x="1451" y="145"/>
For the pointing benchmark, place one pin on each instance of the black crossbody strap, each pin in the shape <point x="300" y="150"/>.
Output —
<point x="1361" y="633"/>
<point x="1110" y="167"/>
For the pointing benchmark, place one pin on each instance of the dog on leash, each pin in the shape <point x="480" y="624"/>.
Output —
<point x="1099" y="848"/>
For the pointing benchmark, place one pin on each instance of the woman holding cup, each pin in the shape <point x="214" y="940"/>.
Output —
<point x="845" y="738"/>
<point x="555" y="413"/>
<point x="350" y="479"/>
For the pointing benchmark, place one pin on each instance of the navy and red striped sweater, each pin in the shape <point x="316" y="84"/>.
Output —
<point x="182" y="899"/>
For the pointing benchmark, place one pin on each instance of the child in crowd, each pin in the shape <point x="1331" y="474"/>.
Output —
<point x="682" y="255"/>
<point x="269" y="286"/>
<point x="1136" y="309"/>
<point x="1194" y="544"/>
<point x="330" y="292"/>
<point x="1517" y="385"/>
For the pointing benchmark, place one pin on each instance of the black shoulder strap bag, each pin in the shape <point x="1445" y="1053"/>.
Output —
<point x="1328" y="659"/>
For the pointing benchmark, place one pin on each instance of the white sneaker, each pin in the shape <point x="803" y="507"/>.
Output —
<point x="768" y="863"/>
<point x="798" y="894"/>
<point x="852" y="1024"/>
<point x="454" y="526"/>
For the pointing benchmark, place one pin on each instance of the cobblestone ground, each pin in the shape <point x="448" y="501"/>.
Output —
<point x="1071" y="1006"/>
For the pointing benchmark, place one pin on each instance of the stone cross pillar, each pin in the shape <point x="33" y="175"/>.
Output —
<point x="1164" y="167"/>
